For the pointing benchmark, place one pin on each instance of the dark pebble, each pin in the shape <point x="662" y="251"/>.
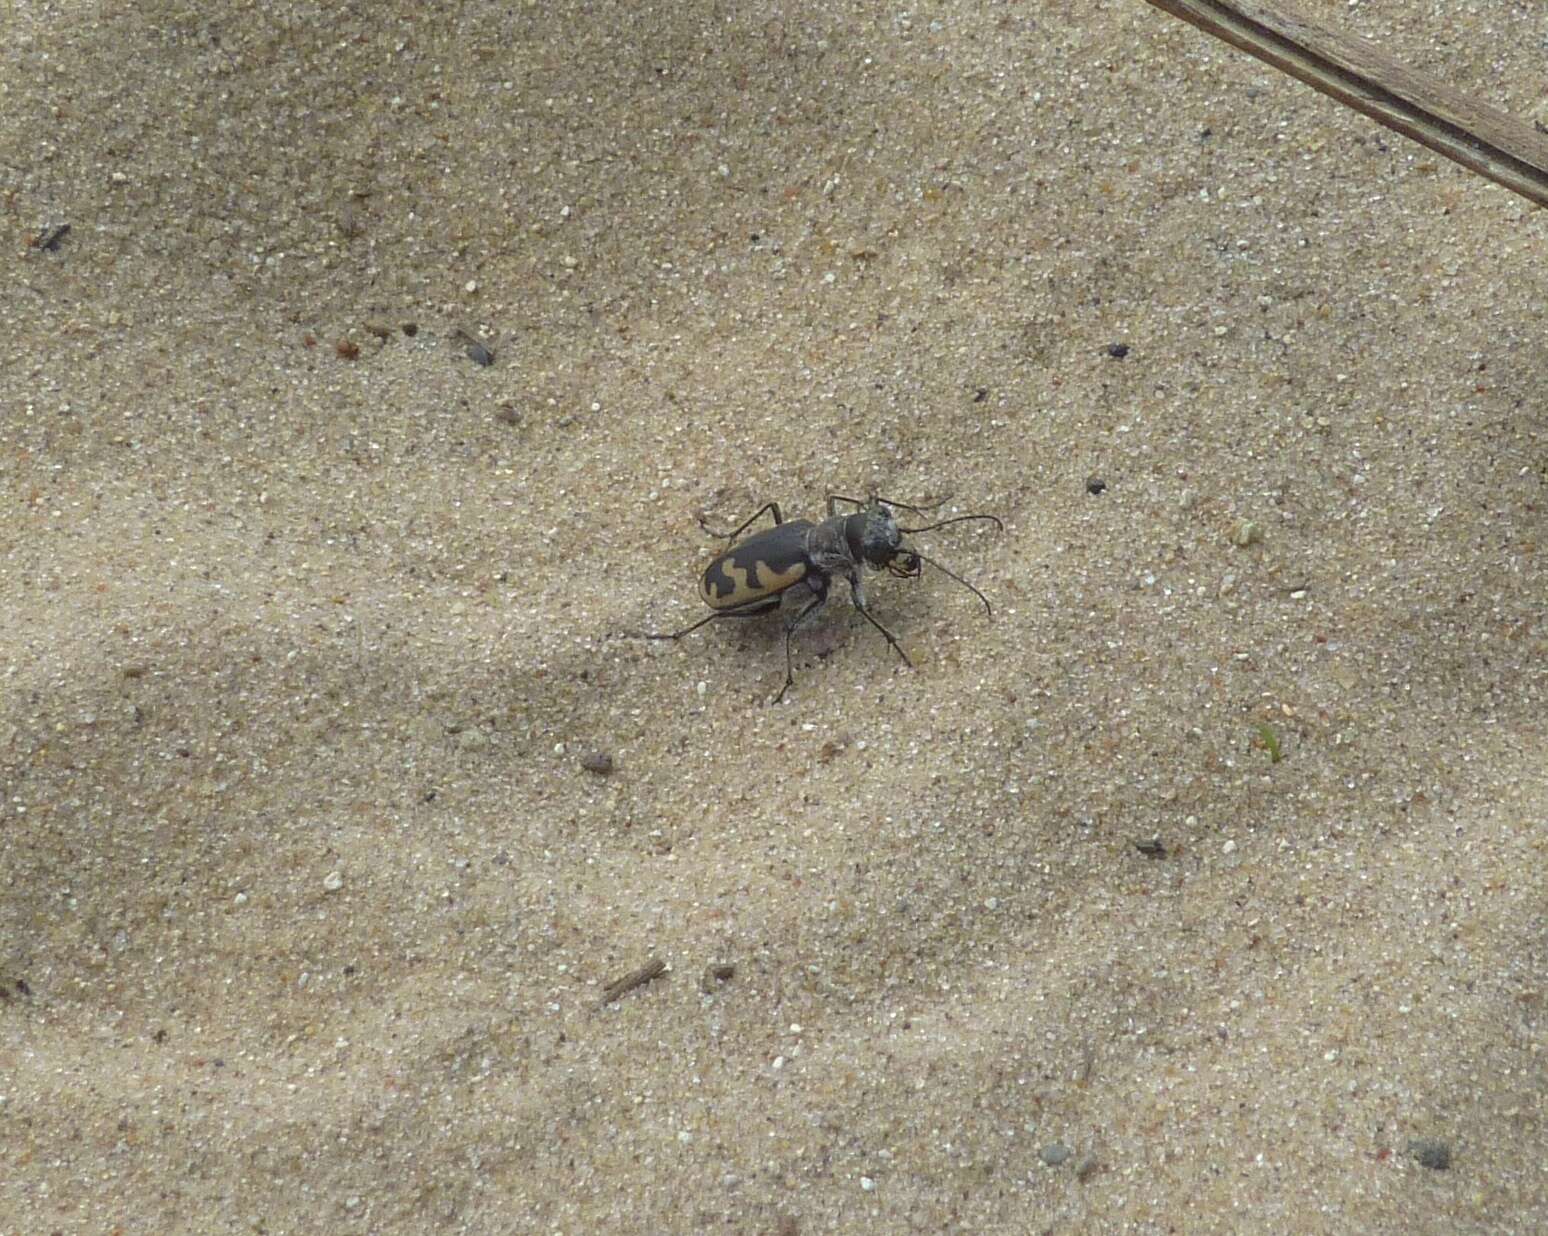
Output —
<point x="1054" y="1154"/>
<point x="715" y="976"/>
<point x="477" y="352"/>
<point x="598" y="762"/>
<point x="1432" y="1154"/>
<point x="1117" y="350"/>
<point x="1095" y="485"/>
<point x="48" y="241"/>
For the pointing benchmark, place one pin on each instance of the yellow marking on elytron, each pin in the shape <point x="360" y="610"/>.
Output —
<point x="766" y="583"/>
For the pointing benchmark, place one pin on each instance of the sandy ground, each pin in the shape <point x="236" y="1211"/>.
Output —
<point x="310" y="625"/>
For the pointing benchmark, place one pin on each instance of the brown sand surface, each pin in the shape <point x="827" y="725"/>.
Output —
<point x="309" y="626"/>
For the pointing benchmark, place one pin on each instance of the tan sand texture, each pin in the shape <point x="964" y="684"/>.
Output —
<point x="332" y="796"/>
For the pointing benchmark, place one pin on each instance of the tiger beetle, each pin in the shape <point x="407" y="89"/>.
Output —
<point x="792" y="564"/>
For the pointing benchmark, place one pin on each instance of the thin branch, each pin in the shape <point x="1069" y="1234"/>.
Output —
<point x="1360" y="75"/>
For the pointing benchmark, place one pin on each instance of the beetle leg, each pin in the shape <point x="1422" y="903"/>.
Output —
<point x="755" y="612"/>
<point x="766" y="508"/>
<point x="859" y="599"/>
<point x="807" y="611"/>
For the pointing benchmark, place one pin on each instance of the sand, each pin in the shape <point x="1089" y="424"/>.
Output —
<point x="313" y="630"/>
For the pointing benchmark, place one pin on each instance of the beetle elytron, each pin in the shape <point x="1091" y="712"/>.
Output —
<point x="795" y="562"/>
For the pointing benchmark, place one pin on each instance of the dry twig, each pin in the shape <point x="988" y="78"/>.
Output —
<point x="635" y="978"/>
<point x="1360" y="75"/>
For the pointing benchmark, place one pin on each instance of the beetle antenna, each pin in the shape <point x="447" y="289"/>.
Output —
<point x="945" y="571"/>
<point x="960" y="519"/>
<point x="859" y="505"/>
<point x="904" y="506"/>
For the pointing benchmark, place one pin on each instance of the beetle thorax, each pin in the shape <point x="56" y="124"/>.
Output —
<point x="829" y="548"/>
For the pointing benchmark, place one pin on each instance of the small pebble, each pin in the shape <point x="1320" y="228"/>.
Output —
<point x="1095" y="485"/>
<point x="48" y="240"/>
<point x="598" y="762"/>
<point x="713" y="977"/>
<point x="1246" y="533"/>
<point x="333" y="881"/>
<point x="1435" y="1155"/>
<point x="1054" y="1154"/>
<point x="507" y="415"/>
<point x="830" y="751"/>
<point x="1117" y="350"/>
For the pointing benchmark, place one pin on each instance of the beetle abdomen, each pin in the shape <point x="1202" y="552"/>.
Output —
<point x="758" y="569"/>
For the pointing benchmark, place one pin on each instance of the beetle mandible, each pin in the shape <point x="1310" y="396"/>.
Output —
<point x="798" y="560"/>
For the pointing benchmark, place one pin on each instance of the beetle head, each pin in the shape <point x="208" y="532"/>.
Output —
<point x="880" y="538"/>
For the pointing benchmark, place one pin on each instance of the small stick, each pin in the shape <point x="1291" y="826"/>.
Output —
<point x="635" y="978"/>
<point x="1360" y="75"/>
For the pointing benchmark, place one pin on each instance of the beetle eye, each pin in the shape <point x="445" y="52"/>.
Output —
<point x="879" y="553"/>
